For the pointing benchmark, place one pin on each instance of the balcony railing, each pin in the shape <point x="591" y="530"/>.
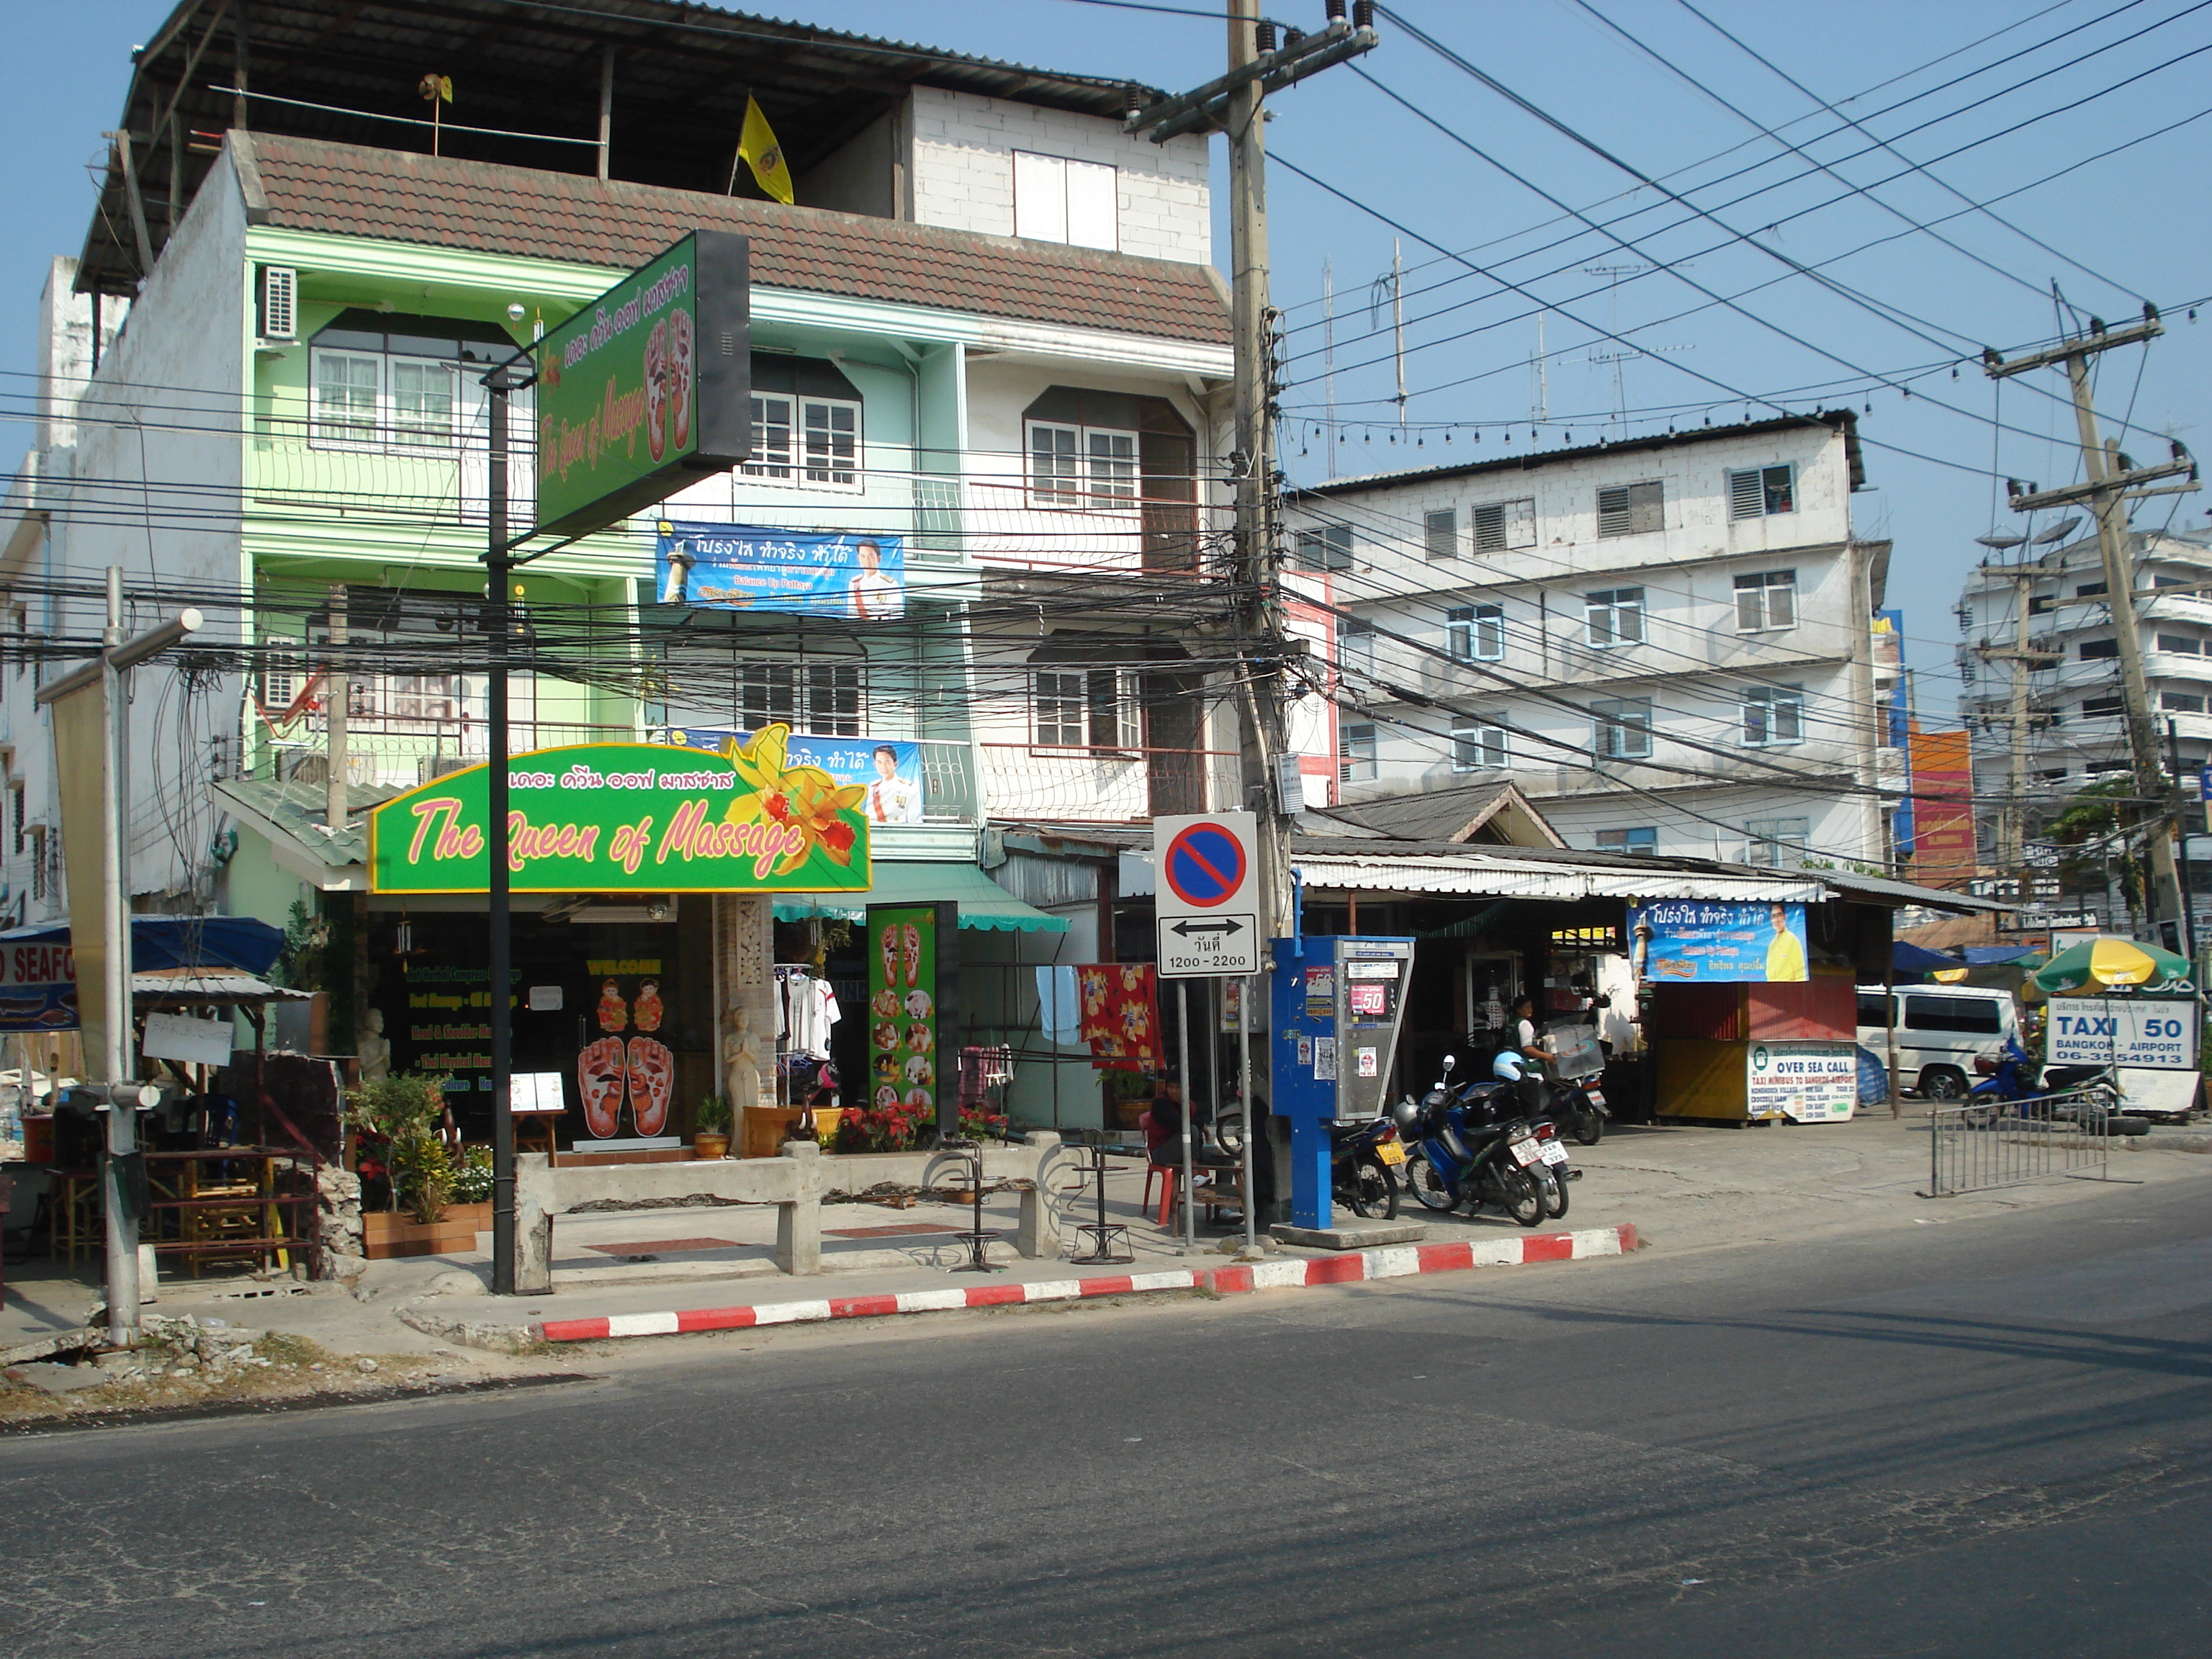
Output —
<point x="1117" y="786"/>
<point x="398" y="752"/>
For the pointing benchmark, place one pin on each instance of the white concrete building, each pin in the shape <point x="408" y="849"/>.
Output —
<point x="1664" y="641"/>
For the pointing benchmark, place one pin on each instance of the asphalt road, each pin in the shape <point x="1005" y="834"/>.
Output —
<point x="1988" y="1436"/>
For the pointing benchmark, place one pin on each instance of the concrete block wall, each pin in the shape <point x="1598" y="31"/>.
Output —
<point x="962" y="166"/>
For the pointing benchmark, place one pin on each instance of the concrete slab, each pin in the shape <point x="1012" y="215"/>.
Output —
<point x="1351" y="1235"/>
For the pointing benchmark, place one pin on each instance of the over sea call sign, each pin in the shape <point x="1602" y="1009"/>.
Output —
<point x="631" y="818"/>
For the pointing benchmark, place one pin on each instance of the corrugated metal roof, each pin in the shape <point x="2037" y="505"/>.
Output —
<point x="1482" y="872"/>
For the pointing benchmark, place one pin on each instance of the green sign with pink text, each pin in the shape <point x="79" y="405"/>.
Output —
<point x="632" y="818"/>
<point x="648" y="388"/>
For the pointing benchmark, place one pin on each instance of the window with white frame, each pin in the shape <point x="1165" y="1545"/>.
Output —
<point x="1355" y="750"/>
<point x="1765" y="601"/>
<point x="385" y="382"/>
<point x="1478" y="743"/>
<point x="1622" y="728"/>
<point x="348" y="393"/>
<point x="1080" y="708"/>
<point x="1058" y="199"/>
<point x="1326" y="549"/>
<point x="1632" y="509"/>
<point x="810" y="441"/>
<point x="1759" y="492"/>
<point x="822" y="699"/>
<point x="1355" y="644"/>
<point x="1475" y="632"/>
<point x="1084" y="466"/>
<point x="1644" y="841"/>
<point x="1440" y="533"/>
<point x="1615" y="616"/>
<point x="1773" y="714"/>
<point x="1776" y="843"/>
<point x="1501" y="526"/>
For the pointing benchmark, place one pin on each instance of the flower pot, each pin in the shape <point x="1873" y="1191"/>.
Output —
<point x="385" y="1234"/>
<point x="707" y="1145"/>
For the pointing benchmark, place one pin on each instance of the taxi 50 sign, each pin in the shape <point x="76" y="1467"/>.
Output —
<point x="2155" y="1034"/>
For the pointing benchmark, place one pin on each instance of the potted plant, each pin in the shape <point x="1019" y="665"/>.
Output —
<point x="399" y="1121"/>
<point x="711" y="1128"/>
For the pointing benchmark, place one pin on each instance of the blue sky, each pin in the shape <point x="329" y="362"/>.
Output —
<point x="1900" y="314"/>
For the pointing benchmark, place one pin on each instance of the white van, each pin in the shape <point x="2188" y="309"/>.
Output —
<point x="1941" y="1031"/>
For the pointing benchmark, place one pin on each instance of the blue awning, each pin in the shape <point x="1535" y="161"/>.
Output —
<point x="245" y="943"/>
<point x="983" y="902"/>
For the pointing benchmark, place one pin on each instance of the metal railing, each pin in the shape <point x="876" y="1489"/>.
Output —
<point x="1976" y="1146"/>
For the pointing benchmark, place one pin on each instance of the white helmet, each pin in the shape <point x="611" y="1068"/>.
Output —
<point x="1511" y="1065"/>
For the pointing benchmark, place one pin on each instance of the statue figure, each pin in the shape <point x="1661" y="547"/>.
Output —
<point x="372" y="1049"/>
<point x="741" y="1065"/>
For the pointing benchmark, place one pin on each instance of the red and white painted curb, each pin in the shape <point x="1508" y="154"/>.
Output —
<point x="1394" y="1261"/>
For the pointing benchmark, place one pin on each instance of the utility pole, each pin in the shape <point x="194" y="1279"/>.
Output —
<point x="2112" y="478"/>
<point x="2012" y="832"/>
<point x="1236" y="103"/>
<point x="499" y="567"/>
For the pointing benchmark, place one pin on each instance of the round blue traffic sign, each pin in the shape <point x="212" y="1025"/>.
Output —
<point x="1205" y="865"/>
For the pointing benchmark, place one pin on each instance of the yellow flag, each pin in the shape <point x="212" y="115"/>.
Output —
<point x="757" y="147"/>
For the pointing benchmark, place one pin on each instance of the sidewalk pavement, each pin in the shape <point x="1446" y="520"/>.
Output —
<point x="1675" y="1188"/>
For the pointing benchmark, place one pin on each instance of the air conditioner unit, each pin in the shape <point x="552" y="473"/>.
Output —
<point x="280" y="307"/>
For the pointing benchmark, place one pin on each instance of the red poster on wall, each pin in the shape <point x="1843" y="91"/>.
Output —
<point x="1120" y="1015"/>
<point x="1943" y="850"/>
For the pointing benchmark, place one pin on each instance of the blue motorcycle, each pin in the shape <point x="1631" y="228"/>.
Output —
<point x="1472" y="1148"/>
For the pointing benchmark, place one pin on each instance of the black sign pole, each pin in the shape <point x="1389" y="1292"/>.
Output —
<point x="498" y="565"/>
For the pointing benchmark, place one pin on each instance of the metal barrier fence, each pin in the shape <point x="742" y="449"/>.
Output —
<point x="1976" y="1145"/>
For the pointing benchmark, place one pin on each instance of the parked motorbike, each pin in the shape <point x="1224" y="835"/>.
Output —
<point x="1363" y="1161"/>
<point x="1467" y="1150"/>
<point x="2013" y="1078"/>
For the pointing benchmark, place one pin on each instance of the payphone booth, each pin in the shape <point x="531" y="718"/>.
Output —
<point x="1338" y="1004"/>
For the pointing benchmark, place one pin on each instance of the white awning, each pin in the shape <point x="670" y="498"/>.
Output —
<point x="1485" y="875"/>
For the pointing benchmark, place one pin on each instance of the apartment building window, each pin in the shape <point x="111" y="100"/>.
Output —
<point x="820" y="699"/>
<point x="1776" y="842"/>
<point x="1501" y="526"/>
<point x="1081" y="708"/>
<point x="2180" y="644"/>
<point x="42" y="882"/>
<point x="1759" y="492"/>
<point x="1477" y="744"/>
<point x="1773" y="714"/>
<point x="402" y="703"/>
<point x="1057" y="200"/>
<point x="1475" y="632"/>
<point x="1630" y="509"/>
<point x="1440" y="533"/>
<point x="1355" y="645"/>
<point x="2098" y="650"/>
<point x="19" y="623"/>
<point x="1643" y="840"/>
<point x="1081" y="465"/>
<point x="1327" y="548"/>
<point x="2091" y="591"/>
<point x="1615" y="616"/>
<point x="2105" y="768"/>
<point x="2181" y="702"/>
<point x="2095" y="708"/>
<point x="1623" y="728"/>
<point x="16" y="827"/>
<point x="811" y="440"/>
<point x="1355" y="751"/>
<point x="382" y="381"/>
<point x="2041" y="604"/>
<point x="1765" y="600"/>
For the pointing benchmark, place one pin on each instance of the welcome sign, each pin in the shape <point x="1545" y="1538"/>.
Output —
<point x="648" y="387"/>
<point x="614" y="818"/>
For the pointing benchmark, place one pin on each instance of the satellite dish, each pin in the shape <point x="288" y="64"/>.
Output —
<point x="1999" y="543"/>
<point x="2057" y="532"/>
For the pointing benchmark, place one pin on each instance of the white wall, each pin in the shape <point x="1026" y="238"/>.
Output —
<point x="963" y="171"/>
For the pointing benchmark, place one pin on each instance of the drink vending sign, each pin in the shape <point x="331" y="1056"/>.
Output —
<point x="1811" y="1082"/>
<point x="2155" y="1034"/>
<point x="648" y="388"/>
<point x="631" y="818"/>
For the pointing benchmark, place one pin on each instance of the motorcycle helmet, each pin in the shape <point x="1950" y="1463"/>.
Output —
<point x="1407" y="1116"/>
<point x="1511" y="1065"/>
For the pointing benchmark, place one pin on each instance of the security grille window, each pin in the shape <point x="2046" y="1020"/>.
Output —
<point x="405" y="703"/>
<point x="1355" y="749"/>
<point x="1079" y="709"/>
<point x="1478" y="744"/>
<point x="40" y="882"/>
<point x="1623" y="728"/>
<point x="820" y="699"/>
<point x="1630" y="509"/>
<point x="1501" y="526"/>
<point x="1760" y="491"/>
<point x="1440" y="533"/>
<point x="2179" y="643"/>
<point x="2094" y="707"/>
<point x="1773" y="714"/>
<point x="2098" y="650"/>
<point x="833" y="700"/>
<point x="1081" y="466"/>
<point x="2181" y="702"/>
<point x="15" y="823"/>
<point x="1327" y="549"/>
<point x="1475" y="632"/>
<point x="1643" y="840"/>
<point x="1765" y="600"/>
<point x="1776" y="842"/>
<point x="1973" y="1016"/>
<point x="1615" y="616"/>
<point x="812" y="440"/>
<point x="1355" y="644"/>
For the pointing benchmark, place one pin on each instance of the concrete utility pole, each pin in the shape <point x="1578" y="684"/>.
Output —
<point x="2012" y="831"/>
<point x="2111" y="480"/>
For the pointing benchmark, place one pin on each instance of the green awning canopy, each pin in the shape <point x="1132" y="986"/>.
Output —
<point x="983" y="902"/>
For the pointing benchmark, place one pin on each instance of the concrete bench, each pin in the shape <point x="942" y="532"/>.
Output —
<point x="793" y="1182"/>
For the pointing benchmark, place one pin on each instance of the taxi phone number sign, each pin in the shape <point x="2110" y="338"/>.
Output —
<point x="1811" y="1082"/>
<point x="2152" y="1033"/>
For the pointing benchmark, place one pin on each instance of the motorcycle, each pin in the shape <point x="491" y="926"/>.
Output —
<point x="1363" y="1160"/>
<point x="2013" y="1078"/>
<point x="1463" y="1150"/>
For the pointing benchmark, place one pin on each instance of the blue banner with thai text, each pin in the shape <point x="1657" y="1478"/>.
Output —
<point x="1702" y="941"/>
<point x="812" y="573"/>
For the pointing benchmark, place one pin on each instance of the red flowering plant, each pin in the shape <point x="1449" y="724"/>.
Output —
<point x="976" y="1124"/>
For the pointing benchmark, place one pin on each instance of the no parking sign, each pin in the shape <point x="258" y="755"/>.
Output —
<point x="1203" y="895"/>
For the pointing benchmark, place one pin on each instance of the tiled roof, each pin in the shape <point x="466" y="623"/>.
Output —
<point x="349" y="190"/>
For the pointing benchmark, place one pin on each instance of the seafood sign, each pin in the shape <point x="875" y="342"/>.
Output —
<point x="1718" y="941"/>
<point x="646" y="388"/>
<point x="38" y="986"/>
<point x="631" y="818"/>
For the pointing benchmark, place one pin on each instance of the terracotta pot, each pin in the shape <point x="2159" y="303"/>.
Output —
<point x="704" y="1144"/>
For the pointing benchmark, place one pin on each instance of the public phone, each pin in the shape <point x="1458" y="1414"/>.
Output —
<point x="1338" y="1005"/>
